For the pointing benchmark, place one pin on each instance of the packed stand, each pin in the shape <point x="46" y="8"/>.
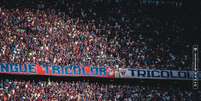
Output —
<point x="35" y="36"/>
<point x="118" y="33"/>
<point x="16" y="90"/>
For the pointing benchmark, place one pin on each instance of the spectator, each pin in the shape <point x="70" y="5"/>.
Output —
<point x="83" y="90"/>
<point x="72" y="33"/>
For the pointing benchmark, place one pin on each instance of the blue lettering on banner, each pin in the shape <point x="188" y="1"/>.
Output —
<point x="102" y="71"/>
<point x="165" y="74"/>
<point x="148" y="73"/>
<point x="68" y="70"/>
<point x="56" y="69"/>
<point x="141" y="73"/>
<point x="31" y="68"/>
<point x="43" y="69"/>
<point x="15" y="67"/>
<point x="132" y="71"/>
<point x="23" y="68"/>
<point x="4" y="68"/>
<point x="157" y="74"/>
<point x="172" y="75"/>
<point x="11" y="68"/>
<point x="77" y="70"/>
<point x="62" y="70"/>
<point x="181" y="74"/>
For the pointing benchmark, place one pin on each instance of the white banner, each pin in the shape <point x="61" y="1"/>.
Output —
<point x="158" y="74"/>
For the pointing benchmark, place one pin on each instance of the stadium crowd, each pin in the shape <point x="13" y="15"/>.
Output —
<point x="16" y="90"/>
<point x="110" y="33"/>
<point x="99" y="33"/>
